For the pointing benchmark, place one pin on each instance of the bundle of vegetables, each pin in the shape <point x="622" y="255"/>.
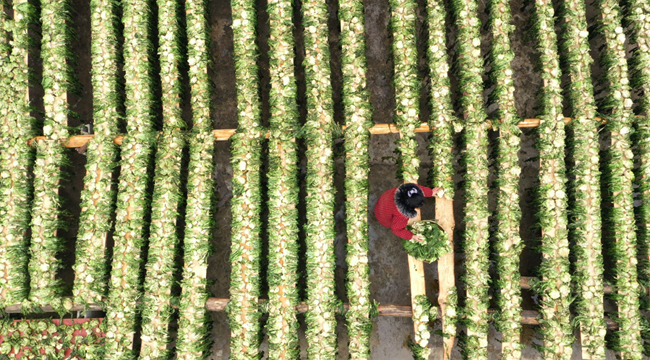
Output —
<point x="555" y="283"/>
<point x="132" y="199"/>
<point x="423" y="312"/>
<point x="358" y="113"/>
<point x="58" y="80"/>
<point x="407" y="94"/>
<point x="194" y="320"/>
<point x="443" y="125"/>
<point x="282" y="325"/>
<point x="407" y="87"/>
<point x="475" y="159"/>
<point x="51" y="339"/>
<point x="637" y="20"/>
<point x="98" y="196"/>
<point x="434" y="244"/>
<point x="618" y="177"/>
<point x="167" y="194"/>
<point x="319" y="230"/>
<point x="584" y="187"/>
<point x="508" y="244"/>
<point x="246" y="151"/>
<point x="16" y="159"/>
<point x="442" y="119"/>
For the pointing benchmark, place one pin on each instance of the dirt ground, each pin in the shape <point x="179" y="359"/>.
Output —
<point x="388" y="261"/>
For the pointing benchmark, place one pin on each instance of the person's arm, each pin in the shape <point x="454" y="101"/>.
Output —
<point x="428" y="192"/>
<point x="399" y="228"/>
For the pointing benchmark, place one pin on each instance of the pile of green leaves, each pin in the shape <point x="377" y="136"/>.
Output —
<point x="618" y="179"/>
<point x="321" y="202"/>
<point x="358" y="114"/>
<point x="98" y="196"/>
<point x="35" y="337"/>
<point x="16" y="157"/>
<point x="133" y="201"/>
<point x="584" y="186"/>
<point x="469" y="65"/>
<point x="194" y="324"/>
<point x="554" y="286"/>
<point x="283" y="187"/>
<point x="246" y="152"/>
<point x="433" y="245"/>
<point x="167" y="196"/>
<point x="51" y="155"/>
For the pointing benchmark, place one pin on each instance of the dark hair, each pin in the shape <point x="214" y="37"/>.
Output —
<point x="413" y="195"/>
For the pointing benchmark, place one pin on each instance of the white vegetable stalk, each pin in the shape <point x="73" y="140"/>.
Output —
<point x="555" y="283"/>
<point x="16" y="160"/>
<point x="508" y="244"/>
<point x="194" y="320"/>
<point x="358" y="114"/>
<point x="58" y="78"/>
<point x="475" y="159"/>
<point x="246" y="151"/>
<point x="132" y="200"/>
<point x="618" y="177"/>
<point x="320" y="231"/>
<point x="167" y="194"/>
<point x="584" y="188"/>
<point x="98" y="196"/>
<point x="282" y="324"/>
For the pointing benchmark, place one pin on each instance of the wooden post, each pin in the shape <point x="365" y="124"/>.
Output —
<point x="446" y="275"/>
<point x="416" y="273"/>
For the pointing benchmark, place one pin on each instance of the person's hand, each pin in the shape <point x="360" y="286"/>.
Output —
<point x="417" y="238"/>
<point x="435" y="190"/>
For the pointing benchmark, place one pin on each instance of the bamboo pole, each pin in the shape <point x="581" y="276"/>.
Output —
<point x="444" y="212"/>
<point x="77" y="141"/>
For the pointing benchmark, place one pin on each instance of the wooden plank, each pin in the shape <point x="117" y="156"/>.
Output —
<point x="444" y="212"/>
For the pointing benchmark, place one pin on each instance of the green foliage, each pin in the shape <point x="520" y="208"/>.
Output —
<point x="584" y="186"/>
<point x="358" y="114"/>
<point x="194" y="323"/>
<point x="138" y="147"/>
<point x="442" y="120"/>
<point x="508" y="244"/>
<point x="321" y="202"/>
<point x="433" y="246"/>
<point x="246" y="152"/>
<point x="283" y="187"/>
<point x="618" y="177"/>
<point x="98" y="196"/>
<point x="51" y="156"/>
<point x="555" y="283"/>
<point x="469" y="65"/>
<point x="194" y="320"/>
<point x="407" y="87"/>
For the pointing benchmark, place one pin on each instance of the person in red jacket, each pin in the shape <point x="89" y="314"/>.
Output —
<point x="396" y="206"/>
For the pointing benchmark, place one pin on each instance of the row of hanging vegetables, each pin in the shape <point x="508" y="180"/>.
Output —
<point x="26" y="196"/>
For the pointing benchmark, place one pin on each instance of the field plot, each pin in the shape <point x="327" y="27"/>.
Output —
<point x="197" y="179"/>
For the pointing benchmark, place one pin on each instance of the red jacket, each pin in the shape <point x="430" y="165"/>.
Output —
<point x="388" y="215"/>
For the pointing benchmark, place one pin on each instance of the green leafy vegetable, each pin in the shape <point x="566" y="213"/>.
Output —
<point x="433" y="246"/>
